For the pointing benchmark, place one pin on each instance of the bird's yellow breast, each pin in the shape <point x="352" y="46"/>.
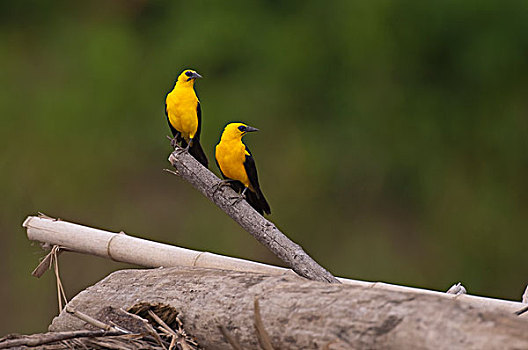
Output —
<point x="231" y="156"/>
<point x="181" y="109"/>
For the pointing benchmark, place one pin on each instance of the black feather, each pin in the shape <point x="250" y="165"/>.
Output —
<point x="256" y="198"/>
<point x="257" y="201"/>
<point x="197" y="152"/>
<point x="196" y="149"/>
<point x="199" y="115"/>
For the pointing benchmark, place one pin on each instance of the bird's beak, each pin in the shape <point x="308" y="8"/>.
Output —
<point x="250" y="129"/>
<point x="196" y="75"/>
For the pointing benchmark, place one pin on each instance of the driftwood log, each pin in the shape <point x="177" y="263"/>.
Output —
<point x="301" y="314"/>
<point x="241" y="212"/>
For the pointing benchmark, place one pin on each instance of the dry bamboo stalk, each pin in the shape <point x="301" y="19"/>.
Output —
<point x="124" y="248"/>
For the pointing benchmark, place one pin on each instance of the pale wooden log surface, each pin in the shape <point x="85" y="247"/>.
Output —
<point x="241" y="212"/>
<point x="125" y="248"/>
<point x="302" y="314"/>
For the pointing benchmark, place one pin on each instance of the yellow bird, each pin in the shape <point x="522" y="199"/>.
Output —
<point x="184" y="115"/>
<point x="238" y="167"/>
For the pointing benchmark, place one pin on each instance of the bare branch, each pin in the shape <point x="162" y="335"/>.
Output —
<point x="90" y="320"/>
<point x="263" y="230"/>
<point x="46" y="338"/>
<point x="231" y="339"/>
<point x="262" y="334"/>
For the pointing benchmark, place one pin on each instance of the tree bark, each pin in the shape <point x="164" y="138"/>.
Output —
<point x="263" y="230"/>
<point x="301" y="314"/>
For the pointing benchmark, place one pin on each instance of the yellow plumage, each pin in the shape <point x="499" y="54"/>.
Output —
<point x="182" y="104"/>
<point x="183" y="111"/>
<point x="238" y="166"/>
<point x="231" y="154"/>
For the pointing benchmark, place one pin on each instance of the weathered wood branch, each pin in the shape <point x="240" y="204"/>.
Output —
<point x="263" y="230"/>
<point x="133" y="250"/>
<point x="46" y="338"/>
<point x="302" y="314"/>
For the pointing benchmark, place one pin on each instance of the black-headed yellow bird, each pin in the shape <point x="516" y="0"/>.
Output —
<point x="184" y="115"/>
<point x="238" y="167"/>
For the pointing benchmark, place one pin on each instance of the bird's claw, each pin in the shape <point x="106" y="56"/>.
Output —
<point x="237" y="199"/>
<point x="180" y="150"/>
<point x="173" y="141"/>
<point x="219" y="185"/>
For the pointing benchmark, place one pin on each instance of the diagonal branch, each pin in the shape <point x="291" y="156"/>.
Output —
<point x="263" y="230"/>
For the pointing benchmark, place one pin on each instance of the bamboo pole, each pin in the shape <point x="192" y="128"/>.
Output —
<point x="128" y="249"/>
<point x="133" y="250"/>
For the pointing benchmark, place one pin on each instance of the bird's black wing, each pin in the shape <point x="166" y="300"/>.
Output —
<point x="196" y="149"/>
<point x="199" y="116"/>
<point x="251" y="170"/>
<point x="256" y="198"/>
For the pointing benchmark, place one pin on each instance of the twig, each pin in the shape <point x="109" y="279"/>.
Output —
<point x="45" y="264"/>
<point x="262" y="334"/>
<point x="96" y="323"/>
<point x="54" y="261"/>
<point x="42" y="215"/>
<point x="175" y="336"/>
<point x="46" y="338"/>
<point x="263" y="230"/>
<point x="161" y="322"/>
<point x="171" y="172"/>
<point x="172" y="343"/>
<point x="521" y="311"/>
<point x="457" y="289"/>
<point x="231" y="339"/>
<point x="148" y="327"/>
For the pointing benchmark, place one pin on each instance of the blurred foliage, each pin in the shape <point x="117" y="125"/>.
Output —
<point x="393" y="141"/>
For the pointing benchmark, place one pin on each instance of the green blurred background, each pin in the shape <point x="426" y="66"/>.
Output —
<point x="393" y="143"/>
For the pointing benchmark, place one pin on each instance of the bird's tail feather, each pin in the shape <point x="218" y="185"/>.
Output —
<point x="257" y="201"/>
<point x="197" y="152"/>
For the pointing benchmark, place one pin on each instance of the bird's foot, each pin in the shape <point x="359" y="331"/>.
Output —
<point x="173" y="141"/>
<point x="220" y="184"/>
<point x="181" y="150"/>
<point x="237" y="199"/>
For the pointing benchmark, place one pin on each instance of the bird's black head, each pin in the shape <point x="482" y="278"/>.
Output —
<point x="246" y="128"/>
<point x="188" y="75"/>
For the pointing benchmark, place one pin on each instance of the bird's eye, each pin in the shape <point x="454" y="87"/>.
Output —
<point x="242" y="128"/>
<point x="188" y="73"/>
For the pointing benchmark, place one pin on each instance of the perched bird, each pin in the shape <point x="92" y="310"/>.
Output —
<point x="238" y="167"/>
<point x="184" y="115"/>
